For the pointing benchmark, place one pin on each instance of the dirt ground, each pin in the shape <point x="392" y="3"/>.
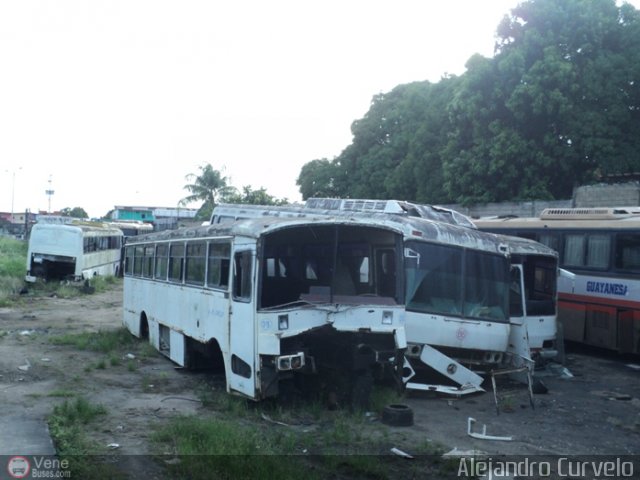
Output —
<point x="597" y="411"/>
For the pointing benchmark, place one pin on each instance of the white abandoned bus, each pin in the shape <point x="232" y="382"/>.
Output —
<point x="601" y="247"/>
<point x="63" y="248"/>
<point x="534" y="270"/>
<point x="273" y="302"/>
<point x="455" y="281"/>
<point x="131" y="228"/>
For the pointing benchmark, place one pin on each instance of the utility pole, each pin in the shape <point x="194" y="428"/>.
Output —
<point x="49" y="193"/>
<point x="13" y="190"/>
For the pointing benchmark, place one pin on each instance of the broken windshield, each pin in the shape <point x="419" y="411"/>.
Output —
<point x="329" y="264"/>
<point x="450" y="280"/>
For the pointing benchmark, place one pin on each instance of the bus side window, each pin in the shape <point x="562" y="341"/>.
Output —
<point x="176" y="262"/>
<point x="161" y="262"/>
<point x="195" y="263"/>
<point x="128" y="261"/>
<point x="218" y="268"/>
<point x="242" y="276"/>
<point x="627" y="252"/>
<point x="137" y="262"/>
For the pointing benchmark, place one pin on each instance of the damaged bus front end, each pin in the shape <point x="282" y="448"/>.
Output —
<point x="330" y="313"/>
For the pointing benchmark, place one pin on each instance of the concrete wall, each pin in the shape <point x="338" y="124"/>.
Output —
<point x="519" y="209"/>
<point x="601" y="195"/>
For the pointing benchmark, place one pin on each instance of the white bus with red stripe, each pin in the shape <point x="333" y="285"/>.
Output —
<point x="600" y="304"/>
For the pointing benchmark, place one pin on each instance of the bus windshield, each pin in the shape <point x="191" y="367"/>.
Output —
<point x="454" y="281"/>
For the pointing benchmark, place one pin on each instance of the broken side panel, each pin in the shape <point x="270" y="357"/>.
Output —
<point x="539" y="288"/>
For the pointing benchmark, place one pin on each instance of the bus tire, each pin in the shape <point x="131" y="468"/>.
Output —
<point x="397" y="415"/>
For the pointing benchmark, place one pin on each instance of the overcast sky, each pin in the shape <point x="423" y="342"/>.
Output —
<point x="116" y="101"/>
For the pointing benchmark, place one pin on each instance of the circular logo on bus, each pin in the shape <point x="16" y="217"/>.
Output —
<point x="461" y="333"/>
<point x="18" y="467"/>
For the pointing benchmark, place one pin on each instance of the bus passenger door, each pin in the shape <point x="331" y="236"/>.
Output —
<point x="242" y="332"/>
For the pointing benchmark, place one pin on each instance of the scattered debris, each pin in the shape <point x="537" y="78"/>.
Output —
<point x="371" y="416"/>
<point x="186" y="399"/>
<point x="400" y="453"/>
<point x="483" y="435"/>
<point x="557" y="370"/>
<point x="465" y="453"/>
<point x="276" y="422"/>
<point x="45" y="359"/>
<point x="25" y="367"/>
<point x="130" y="356"/>
<point x="468" y="380"/>
<point x="27" y="332"/>
<point x="113" y="446"/>
<point x="612" y="395"/>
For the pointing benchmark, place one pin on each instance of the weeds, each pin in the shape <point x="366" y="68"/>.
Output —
<point x="68" y="424"/>
<point x="224" y="449"/>
<point x="103" y="341"/>
<point x="13" y="260"/>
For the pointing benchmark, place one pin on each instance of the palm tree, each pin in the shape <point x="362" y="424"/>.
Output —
<point x="206" y="187"/>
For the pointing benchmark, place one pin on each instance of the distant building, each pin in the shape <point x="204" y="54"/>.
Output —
<point x="16" y="224"/>
<point x="162" y="218"/>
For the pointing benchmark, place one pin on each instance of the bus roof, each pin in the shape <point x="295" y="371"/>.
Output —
<point x="568" y="218"/>
<point x="410" y="227"/>
<point x="338" y="206"/>
<point x="525" y="246"/>
<point x="82" y="227"/>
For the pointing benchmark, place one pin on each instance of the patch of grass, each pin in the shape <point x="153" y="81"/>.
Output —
<point x="13" y="261"/>
<point x="146" y="350"/>
<point x="68" y="425"/>
<point x="114" y="360"/>
<point x="104" y="283"/>
<point x="224" y="449"/>
<point x="103" y="341"/>
<point x="221" y="401"/>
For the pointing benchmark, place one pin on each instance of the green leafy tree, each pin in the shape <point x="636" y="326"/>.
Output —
<point x="556" y="107"/>
<point x="316" y="179"/>
<point x="76" y="212"/>
<point x="206" y="187"/>
<point x="396" y="149"/>
<point x="253" y="197"/>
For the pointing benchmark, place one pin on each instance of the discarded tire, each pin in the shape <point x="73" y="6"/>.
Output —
<point x="397" y="415"/>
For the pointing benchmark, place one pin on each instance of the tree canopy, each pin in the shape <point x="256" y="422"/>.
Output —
<point x="76" y="212"/>
<point x="556" y="106"/>
<point x="210" y="187"/>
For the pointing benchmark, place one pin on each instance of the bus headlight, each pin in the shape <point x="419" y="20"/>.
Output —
<point x="387" y="317"/>
<point x="290" y="362"/>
